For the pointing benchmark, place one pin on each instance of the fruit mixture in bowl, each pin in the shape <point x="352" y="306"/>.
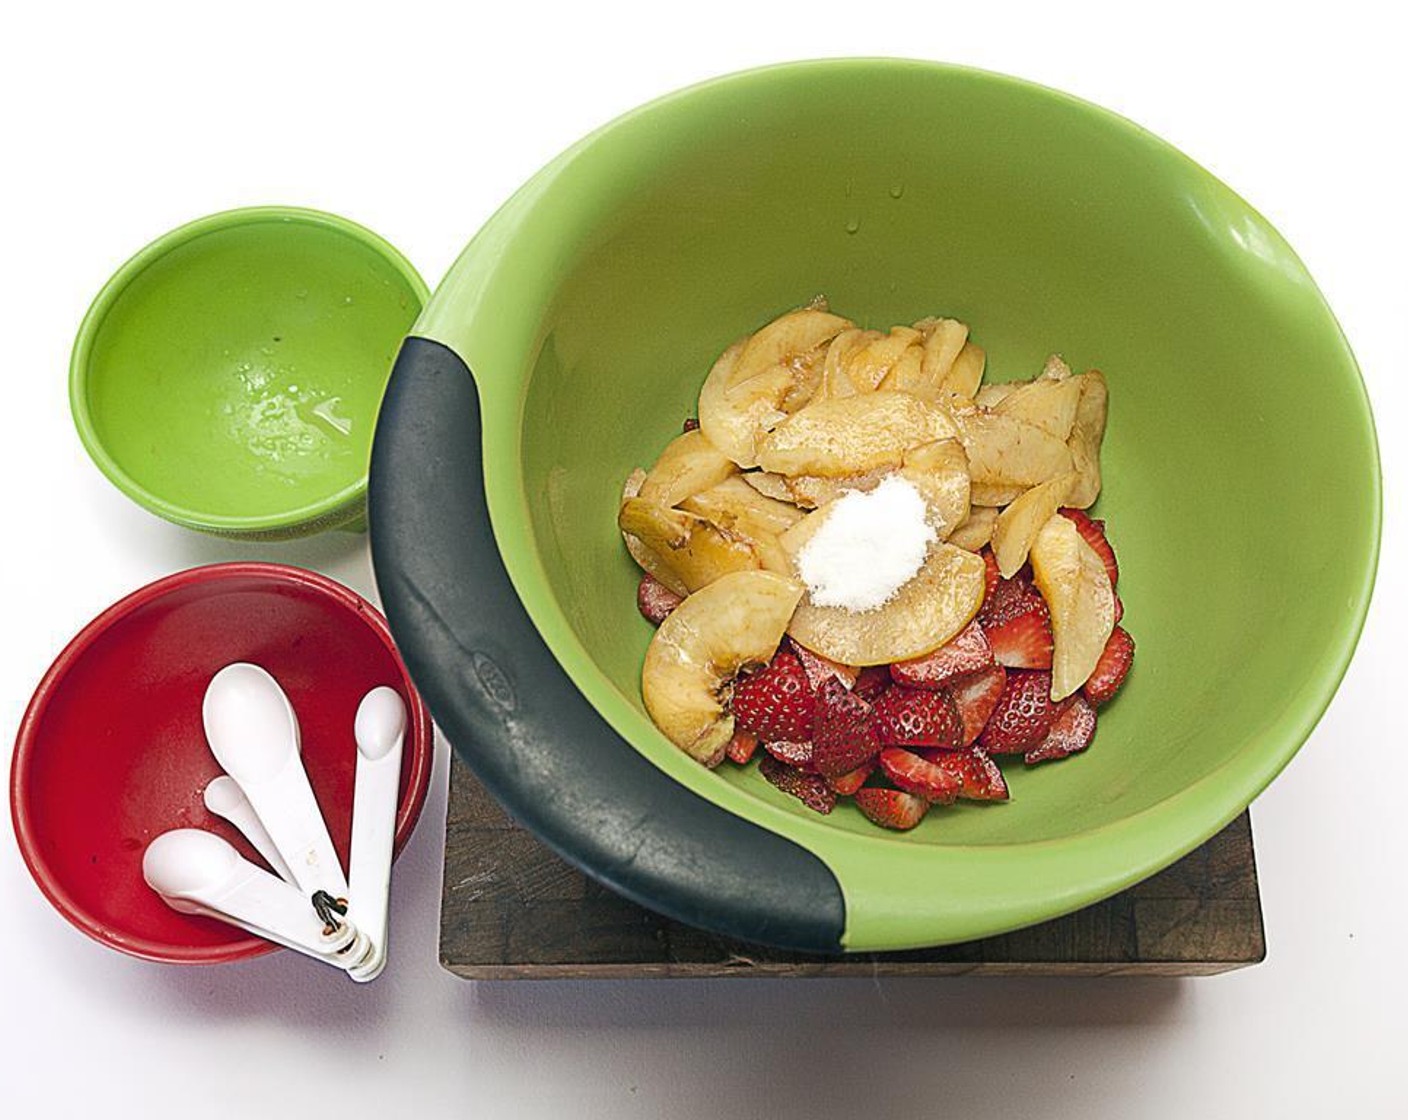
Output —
<point x="874" y="574"/>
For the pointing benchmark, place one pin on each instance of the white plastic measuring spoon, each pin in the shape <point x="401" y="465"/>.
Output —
<point x="197" y="872"/>
<point x="253" y="733"/>
<point x="224" y="798"/>
<point x="380" y="730"/>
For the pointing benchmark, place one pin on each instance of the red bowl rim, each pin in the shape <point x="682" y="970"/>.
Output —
<point x="421" y="743"/>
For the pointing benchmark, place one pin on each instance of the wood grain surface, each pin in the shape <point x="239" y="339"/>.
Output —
<point x="511" y="909"/>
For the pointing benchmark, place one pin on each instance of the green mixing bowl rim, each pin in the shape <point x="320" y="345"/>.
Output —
<point x="1167" y="830"/>
<point x="346" y="500"/>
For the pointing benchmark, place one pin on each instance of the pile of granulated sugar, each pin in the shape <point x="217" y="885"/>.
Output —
<point x="869" y="546"/>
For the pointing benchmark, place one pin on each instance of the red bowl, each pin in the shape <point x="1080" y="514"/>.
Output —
<point x="112" y="752"/>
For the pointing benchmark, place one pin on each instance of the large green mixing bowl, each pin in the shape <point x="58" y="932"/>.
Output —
<point x="1242" y="482"/>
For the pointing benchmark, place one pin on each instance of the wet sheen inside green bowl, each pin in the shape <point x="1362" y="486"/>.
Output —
<point x="1241" y="479"/>
<point x="232" y="372"/>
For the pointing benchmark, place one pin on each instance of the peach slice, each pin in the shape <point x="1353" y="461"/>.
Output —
<point x="1087" y="434"/>
<point x="646" y="557"/>
<point x="689" y="464"/>
<point x="966" y="373"/>
<point x="1018" y="524"/>
<point x="852" y="435"/>
<point x="1006" y="452"/>
<point x="1072" y="579"/>
<point x="696" y="552"/>
<point x="939" y="471"/>
<point x="1049" y="404"/>
<point x="976" y="529"/>
<point x="736" y="621"/>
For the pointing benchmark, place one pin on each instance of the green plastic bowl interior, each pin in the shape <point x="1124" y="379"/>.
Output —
<point x="228" y="376"/>
<point x="1241" y="470"/>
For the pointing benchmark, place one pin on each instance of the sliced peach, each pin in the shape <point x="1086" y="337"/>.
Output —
<point x="736" y="621"/>
<point x="975" y="530"/>
<point x="785" y="338"/>
<point x="1007" y="452"/>
<point x="737" y="507"/>
<point x="851" y="435"/>
<point x="689" y="464"/>
<point x="1072" y="579"/>
<point x="1018" y="524"/>
<point x="939" y="471"/>
<point x="646" y="557"/>
<point x="1048" y="403"/>
<point x="966" y="373"/>
<point x="1087" y="434"/>
<point x="695" y="551"/>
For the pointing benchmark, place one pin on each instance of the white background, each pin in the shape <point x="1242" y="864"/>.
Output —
<point x="122" y="121"/>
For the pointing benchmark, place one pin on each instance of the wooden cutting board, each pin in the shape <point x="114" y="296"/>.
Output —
<point x="511" y="909"/>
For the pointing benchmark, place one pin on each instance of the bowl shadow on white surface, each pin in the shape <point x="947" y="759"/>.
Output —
<point x="343" y="555"/>
<point x="981" y="1004"/>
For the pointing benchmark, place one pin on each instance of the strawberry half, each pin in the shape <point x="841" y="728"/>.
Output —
<point x="975" y="696"/>
<point x="1072" y="732"/>
<point x="919" y="776"/>
<point x="818" y="668"/>
<point x="847" y="784"/>
<point x="654" y="600"/>
<point x="917" y="717"/>
<point x="1094" y="533"/>
<point x="1018" y="625"/>
<point x="871" y="682"/>
<point x="1112" y="668"/>
<point x="844" y="730"/>
<point x="891" y="808"/>
<point x="978" y="776"/>
<point x="1023" y="715"/>
<point x="967" y="652"/>
<point x="777" y="702"/>
<point x="992" y="574"/>
<point x="810" y="789"/>
<point x="741" y="747"/>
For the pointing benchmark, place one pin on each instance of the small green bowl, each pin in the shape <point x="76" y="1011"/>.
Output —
<point x="228" y="376"/>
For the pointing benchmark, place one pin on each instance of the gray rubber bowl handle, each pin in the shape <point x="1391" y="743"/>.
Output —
<point x="516" y="718"/>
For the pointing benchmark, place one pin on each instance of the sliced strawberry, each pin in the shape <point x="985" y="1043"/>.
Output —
<point x="871" y="682"/>
<point x="1072" y="732"/>
<point x="967" y="652"/>
<point x="742" y="747"/>
<point x="919" y="776"/>
<point x="847" y="784"/>
<point x="992" y="574"/>
<point x="777" y="702"/>
<point x="978" y="776"/>
<point x="690" y="424"/>
<point x="1018" y="625"/>
<point x="1094" y="533"/>
<point x="975" y="696"/>
<point x="844" y="730"/>
<point x="818" y="668"/>
<point x="810" y="789"/>
<point x="1119" y="607"/>
<point x="1023" y="716"/>
<point x="1112" y="668"/>
<point x="654" y="600"/>
<point x="917" y="717"/>
<point x="798" y="754"/>
<point x="891" y="808"/>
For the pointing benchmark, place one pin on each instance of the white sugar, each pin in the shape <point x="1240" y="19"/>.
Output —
<point x="869" y="546"/>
